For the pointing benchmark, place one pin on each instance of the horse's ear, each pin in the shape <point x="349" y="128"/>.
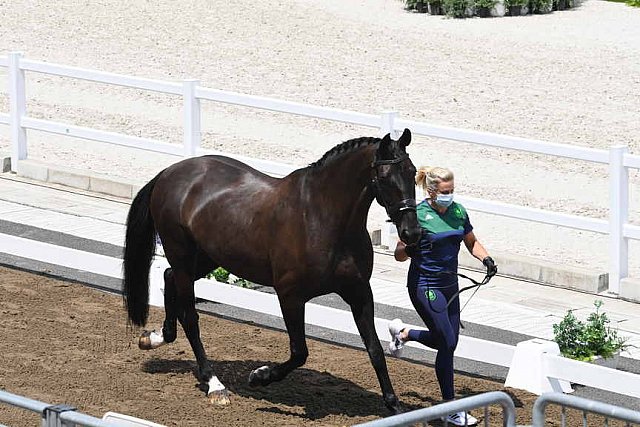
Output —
<point x="405" y="138"/>
<point x="385" y="143"/>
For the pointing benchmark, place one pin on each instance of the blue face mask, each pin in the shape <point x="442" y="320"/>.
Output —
<point x="444" y="200"/>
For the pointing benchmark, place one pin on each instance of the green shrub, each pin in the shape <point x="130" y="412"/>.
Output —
<point x="485" y="3"/>
<point x="220" y="274"/>
<point x="456" y="8"/>
<point x="635" y="3"/>
<point x="541" y="6"/>
<point x="582" y="341"/>
<point x="508" y="3"/>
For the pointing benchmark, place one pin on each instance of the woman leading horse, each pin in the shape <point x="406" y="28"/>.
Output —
<point x="304" y="234"/>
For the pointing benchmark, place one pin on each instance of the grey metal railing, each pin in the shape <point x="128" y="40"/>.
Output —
<point x="585" y="405"/>
<point x="53" y="415"/>
<point x="436" y="412"/>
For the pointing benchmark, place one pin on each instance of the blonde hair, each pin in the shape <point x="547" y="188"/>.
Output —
<point x="428" y="177"/>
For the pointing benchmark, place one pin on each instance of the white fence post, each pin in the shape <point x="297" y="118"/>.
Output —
<point x="387" y="123"/>
<point x="388" y="232"/>
<point x="191" y="109"/>
<point x="17" y="109"/>
<point x="618" y="216"/>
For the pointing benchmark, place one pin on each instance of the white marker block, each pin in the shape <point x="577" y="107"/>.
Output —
<point x="527" y="370"/>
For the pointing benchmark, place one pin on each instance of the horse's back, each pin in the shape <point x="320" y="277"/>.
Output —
<point x="220" y="169"/>
<point x="219" y="205"/>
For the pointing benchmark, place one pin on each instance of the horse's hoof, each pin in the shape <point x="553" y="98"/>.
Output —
<point x="394" y="405"/>
<point x="259" y="376"/>
<point x="219" y="397"/>
<point x="144" y="343"/>
<point x="150" y="340"/>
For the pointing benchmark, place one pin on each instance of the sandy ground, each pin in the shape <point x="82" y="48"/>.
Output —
<point x="569" y="77"/>
<point x="65" y="343"/>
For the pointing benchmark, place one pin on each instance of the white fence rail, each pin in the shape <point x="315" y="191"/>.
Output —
<point x="617" y="227"/>
<point x="494" y="353"/>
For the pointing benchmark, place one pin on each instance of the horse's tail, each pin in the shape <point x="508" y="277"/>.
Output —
<point x="139" y="248"/>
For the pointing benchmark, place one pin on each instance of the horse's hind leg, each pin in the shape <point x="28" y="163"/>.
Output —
<point x="152" y="339"/>
<point x="188" y="317"/>
<point x="360" y="298"/>
<point x="293" y="314"/>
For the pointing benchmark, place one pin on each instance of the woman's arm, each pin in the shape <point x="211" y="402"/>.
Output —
<point x="474" y="246"/>
<point x="476" y="249"/>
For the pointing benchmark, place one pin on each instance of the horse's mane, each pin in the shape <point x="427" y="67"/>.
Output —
<point x="344" y="147"/>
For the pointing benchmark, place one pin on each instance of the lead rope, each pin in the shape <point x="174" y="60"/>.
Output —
<point x="475" y="285"/>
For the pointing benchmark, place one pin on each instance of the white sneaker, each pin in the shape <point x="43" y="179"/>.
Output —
<point x="460" y="419"/>
<point x="396" y="345"/>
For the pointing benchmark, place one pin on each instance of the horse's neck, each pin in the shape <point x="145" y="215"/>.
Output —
<point x="345" y="184"/>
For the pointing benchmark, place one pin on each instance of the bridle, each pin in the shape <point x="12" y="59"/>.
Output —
<point x="394" y="211"/>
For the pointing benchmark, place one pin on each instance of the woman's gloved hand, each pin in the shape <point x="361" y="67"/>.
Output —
<point x="492" y="268"/>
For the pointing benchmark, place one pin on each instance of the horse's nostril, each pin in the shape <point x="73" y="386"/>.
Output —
<point x="409" y="237"/>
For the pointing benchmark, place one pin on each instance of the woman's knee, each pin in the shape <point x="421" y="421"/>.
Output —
<point x="448" y="343"/>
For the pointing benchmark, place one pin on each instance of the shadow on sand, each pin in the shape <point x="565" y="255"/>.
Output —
<point x="319" y="394"/>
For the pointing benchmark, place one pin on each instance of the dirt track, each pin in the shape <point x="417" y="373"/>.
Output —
<point x="62" y="342"/>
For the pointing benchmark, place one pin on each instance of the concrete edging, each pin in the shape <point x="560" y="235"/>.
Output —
<point x="630" y="289"/>
<point x="540" y="271"/>
<point x="76" y="178"/>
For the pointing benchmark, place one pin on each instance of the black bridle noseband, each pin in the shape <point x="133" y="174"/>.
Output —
<point x="394" y="211"/>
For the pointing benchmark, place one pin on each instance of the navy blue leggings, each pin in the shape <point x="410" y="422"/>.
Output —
<point x="444" y="328"/>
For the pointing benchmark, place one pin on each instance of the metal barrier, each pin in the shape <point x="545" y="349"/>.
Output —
<point x="54" y="415"/>
<point x="585" y="405"/>
<point x="485" y="400"/>
<point x="442" y="410"/>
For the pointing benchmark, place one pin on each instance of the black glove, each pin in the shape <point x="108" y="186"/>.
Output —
<point x="492" y="268"/>
<point x="411" y="250"/>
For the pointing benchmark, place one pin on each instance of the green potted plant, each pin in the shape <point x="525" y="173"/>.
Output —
<point x="515" y="6"/>
<point x="540" y="6"/>
<point x="483" y="7"/>
<point x="223" y="276"/>
<point x="588" y="341"/>
<point x="419" y="6"/>
<point x="435" y="7"/>
<point x="457" y="8"/>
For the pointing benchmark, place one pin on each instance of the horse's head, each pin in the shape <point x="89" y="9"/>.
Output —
<point x="395" y="186"/>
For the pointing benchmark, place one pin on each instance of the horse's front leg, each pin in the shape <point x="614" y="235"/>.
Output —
<point x="293" y="315"/>
<point x="360" y="298"/>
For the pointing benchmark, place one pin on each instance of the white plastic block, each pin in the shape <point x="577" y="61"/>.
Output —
<point x="156" y="282"/>
<point x="527" y="372"/>
<point x="128" y="421"/>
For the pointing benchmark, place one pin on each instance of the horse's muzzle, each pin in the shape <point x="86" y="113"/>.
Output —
<point x="409" y="237"/>
<point x="409" y="230"/>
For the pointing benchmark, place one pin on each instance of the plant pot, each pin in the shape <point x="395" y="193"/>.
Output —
<point x="562" y="4"/>
<point x="499" y="9"/>
<point x="435" y="8"/>
<point x="421" y="7"/>
<point x="483" y="12"/>
<point x="515" y="10"/>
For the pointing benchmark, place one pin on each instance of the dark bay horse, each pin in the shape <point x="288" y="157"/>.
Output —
<point x="304" y="234"/>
